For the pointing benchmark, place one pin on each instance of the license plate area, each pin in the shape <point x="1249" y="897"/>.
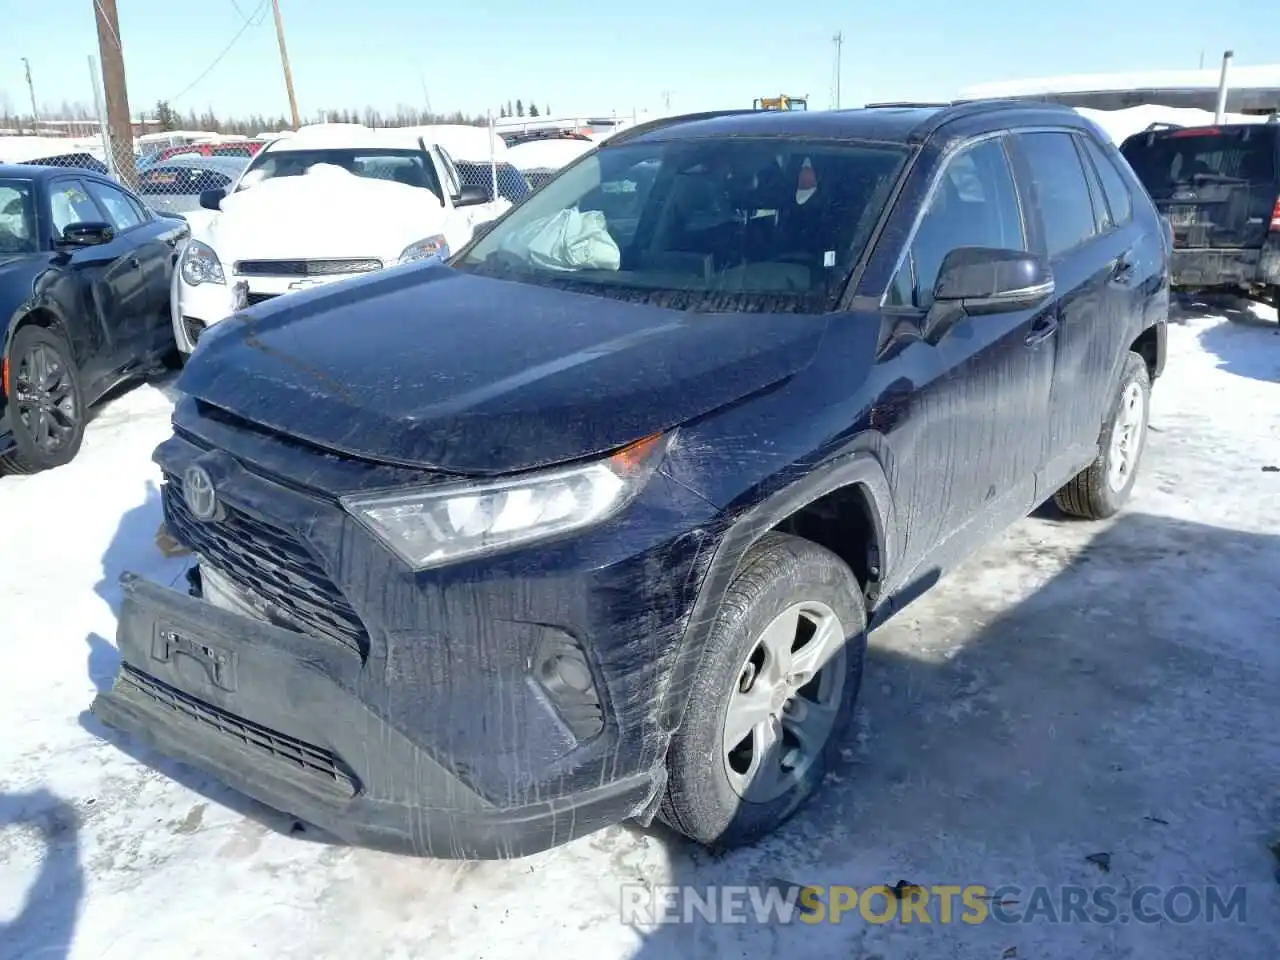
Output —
<point x="218" y="665"/>
<point x="1183" y="216"/>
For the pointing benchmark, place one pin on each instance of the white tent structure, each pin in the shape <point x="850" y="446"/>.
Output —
<point x="1121" y="124"/>
<point x="1254" y="89"/>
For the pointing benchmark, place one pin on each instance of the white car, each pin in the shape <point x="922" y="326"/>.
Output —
<point x="330" y="202"/>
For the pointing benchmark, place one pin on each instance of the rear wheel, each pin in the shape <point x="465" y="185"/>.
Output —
<point x="46" y="403"/>
<point x="774" y="696"/>
<point x="1105" y="485"/>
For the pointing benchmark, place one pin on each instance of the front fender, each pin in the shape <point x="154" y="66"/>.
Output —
<point x="34" y="290"/>
<point x="858" y="467"/>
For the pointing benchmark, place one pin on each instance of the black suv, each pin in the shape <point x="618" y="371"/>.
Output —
<point x="1219" y="188"/>
<point x="590" y="523"/>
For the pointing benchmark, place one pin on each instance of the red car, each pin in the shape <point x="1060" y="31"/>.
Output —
<point x="234" y="148"/>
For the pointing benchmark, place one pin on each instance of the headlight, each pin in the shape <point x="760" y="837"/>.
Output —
<point x="201" y="265"/>
<point x="432" y="526"/>
<point x="425" y="249"/>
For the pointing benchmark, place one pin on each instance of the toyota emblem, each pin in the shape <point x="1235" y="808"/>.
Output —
<point x="197" y="488"/>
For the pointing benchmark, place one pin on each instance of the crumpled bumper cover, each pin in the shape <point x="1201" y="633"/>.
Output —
<point x="1213" y="267"/>
<point x="243" y="700"/>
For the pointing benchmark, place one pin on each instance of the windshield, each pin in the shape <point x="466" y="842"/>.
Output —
<point x="17" y="217"/>
<point x="724" y="224"/>
<point x="1242" y="156"/>
<point x="411" y="167"/>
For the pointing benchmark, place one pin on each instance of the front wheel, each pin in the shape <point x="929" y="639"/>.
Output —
<point x="1102" y="488"/>
<point x="46" y="405"/>
<point x="774" y="695"/>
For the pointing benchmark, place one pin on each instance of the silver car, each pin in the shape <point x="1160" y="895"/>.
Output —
<point x="174" y="185"/>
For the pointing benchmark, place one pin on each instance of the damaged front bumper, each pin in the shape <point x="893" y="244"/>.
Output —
<point x="253" y="704"/>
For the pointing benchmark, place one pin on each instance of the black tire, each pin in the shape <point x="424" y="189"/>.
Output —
<point x="29" y="455"/>
<point x="779" y="572"/>
<point x="1091" y="495"/>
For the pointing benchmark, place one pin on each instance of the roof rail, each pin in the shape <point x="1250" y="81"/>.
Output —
<point x="649" y="126"/>
<point x="900" y="104"/>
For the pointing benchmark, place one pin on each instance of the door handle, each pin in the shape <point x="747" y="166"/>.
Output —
<point x="133" y="262"/>
<point x="1122" y="272"/>
<point x="1044" y="328"/>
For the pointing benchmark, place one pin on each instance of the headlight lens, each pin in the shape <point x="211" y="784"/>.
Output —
<point x="426" y="249"/>
<point x="433" y="526"/>
<point x="201" y="265"/>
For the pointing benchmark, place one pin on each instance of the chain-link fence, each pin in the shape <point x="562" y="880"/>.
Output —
<point x="169" y="172"/>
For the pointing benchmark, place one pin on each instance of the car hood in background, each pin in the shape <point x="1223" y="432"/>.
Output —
<point x="429" y="367"/>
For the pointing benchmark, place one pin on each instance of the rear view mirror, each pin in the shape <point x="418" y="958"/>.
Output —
<point x="988" y="280"/>
<point x="87" y="234"/>
<point x="212" y="199"/>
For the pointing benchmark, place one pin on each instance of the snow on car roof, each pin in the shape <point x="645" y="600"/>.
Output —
<point x="463" y="142"/>
<point x="547" y="154"/>
<point x="336" y="136"/>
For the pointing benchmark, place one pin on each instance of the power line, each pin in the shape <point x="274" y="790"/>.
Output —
<point x="244" y="16"/>
<point x="225" y="50"/>
<point x="107" y="20"/>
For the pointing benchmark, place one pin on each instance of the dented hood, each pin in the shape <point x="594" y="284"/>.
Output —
<point x="433" y="368"/>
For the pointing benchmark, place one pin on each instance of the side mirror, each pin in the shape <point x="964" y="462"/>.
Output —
<point x="212" y="199"/>
<point x="982" y="280"/>
<point x="87" y="234"/>
<point x="471" y="197"/>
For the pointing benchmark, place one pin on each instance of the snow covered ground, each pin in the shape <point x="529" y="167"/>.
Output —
<point x="1076" y="689"/>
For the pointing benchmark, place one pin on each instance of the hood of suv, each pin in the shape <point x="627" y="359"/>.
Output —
<point x="429" y="367"/>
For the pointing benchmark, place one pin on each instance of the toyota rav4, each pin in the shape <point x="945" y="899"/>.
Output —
<point x="591" y="522"/>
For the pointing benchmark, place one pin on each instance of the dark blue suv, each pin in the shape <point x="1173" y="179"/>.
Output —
<point x="591" y="522"/>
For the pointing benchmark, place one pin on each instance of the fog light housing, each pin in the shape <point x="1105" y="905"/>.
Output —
<point x="562" y="670"/>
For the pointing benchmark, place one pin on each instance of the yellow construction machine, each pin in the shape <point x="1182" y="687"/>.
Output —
<point x="782" y="102"/>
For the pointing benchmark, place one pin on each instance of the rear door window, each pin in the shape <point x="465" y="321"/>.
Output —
<point x="122" y="211"/>
<point x="1061" y="190"/>
<point x="1114" y="185"/>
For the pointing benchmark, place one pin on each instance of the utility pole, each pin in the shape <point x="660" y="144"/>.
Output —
<point x="838" y="40"/>
<point x="35" y="114"/>
<point x="284" y="62"/>
<point x="116" y="94"/>
<point x="666" y="100"/>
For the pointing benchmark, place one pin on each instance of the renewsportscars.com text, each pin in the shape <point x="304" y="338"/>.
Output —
<point x="645" y="905"/>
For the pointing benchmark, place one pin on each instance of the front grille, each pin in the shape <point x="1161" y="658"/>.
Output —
<point x="306" y="268"/>
<point x="269" y="562"/>
<point x="322" y="768"/>
<point x="251" y="298"/>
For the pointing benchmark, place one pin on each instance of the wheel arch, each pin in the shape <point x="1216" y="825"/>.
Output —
<point x="855" y="475"/>
<point x="40" y="315"/>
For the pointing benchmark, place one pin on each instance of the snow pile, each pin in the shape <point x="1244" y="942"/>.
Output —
<point x="24" y="149"/>
<point x="547" y="154"/>
<point x="314" y="214"/>
<point x="1119" y="124"/>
